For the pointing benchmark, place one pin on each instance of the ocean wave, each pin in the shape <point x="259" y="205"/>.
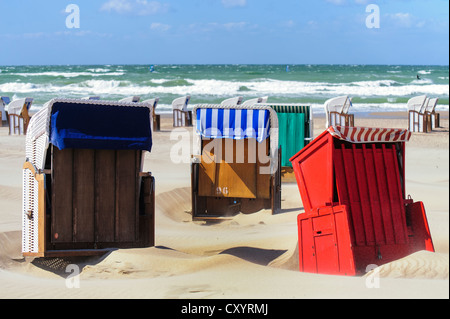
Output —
<point x="67" y="74"/>
<point x="422" y="81"/>
<point x="222" y="88"/>
<point x="377" y="83"/>
<point x="384" y="90"/>
<point x="98" y="70"/>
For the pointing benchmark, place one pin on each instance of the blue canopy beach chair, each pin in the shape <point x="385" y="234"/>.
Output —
<point x="236" y="158"/>
<point x="84" y="190"/>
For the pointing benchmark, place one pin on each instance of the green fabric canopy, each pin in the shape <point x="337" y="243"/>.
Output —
<point x="292" y="135"/>
<point x="294" y="127"/>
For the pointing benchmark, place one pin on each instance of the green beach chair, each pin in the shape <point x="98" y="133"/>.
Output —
<point x="295" y="129"/>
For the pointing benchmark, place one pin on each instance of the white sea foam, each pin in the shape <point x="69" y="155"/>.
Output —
<point x="68" y="74"/>
<point x="98" y="70"/>
<point x="383" y="88"/>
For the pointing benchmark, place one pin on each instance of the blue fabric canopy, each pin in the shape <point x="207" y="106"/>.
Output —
<point x="95" y="126"/>
<point x="233" y="123"/>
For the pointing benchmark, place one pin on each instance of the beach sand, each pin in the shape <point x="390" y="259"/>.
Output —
<point x="250" y="256"/>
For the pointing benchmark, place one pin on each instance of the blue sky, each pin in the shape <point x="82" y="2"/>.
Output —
<point x="224" y="31"/>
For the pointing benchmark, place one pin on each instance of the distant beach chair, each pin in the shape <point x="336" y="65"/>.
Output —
<point x="255" y="101"/>
<point x="232" y="101"/>
<point x="156" y="117"/>
<point x="417" y="121"/>
<point x="236" y="161"/>
<point x="91" y="98"/>
<point x="4" y="101"/>
<point x="84" y="191"/>
<point x="132" y="99"/>
<point x="18" y="116"/>
<point x="336" y="110"/>
<point x="181" y="116"/>
<point x="433" y="118"/>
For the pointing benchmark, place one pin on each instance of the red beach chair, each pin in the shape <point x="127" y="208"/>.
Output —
<point x="352" y="184"/>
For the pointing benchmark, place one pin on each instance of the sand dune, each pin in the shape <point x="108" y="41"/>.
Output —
<point x="421" y="265"/>
<point x="246" y="256"/>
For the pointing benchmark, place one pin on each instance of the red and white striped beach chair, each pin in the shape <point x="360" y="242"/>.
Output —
<point x="352" y="184"/>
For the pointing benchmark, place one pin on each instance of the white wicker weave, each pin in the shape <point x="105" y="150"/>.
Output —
<point x="37" y="143"/>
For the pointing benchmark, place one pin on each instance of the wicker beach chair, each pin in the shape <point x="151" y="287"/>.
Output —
<point x="131" y="99"/>
<point x="4" y="101"/>
<point x="181" y="116"/>
<point x="255" y="101"/>
<point x="84" y="191"/>
<point x="91" y="98"/>
<point x="153" y="103"/>
<point x="336" y="110"/>
<point x="232" y="101"/>
<point x="18" y="116"/>
<point x="417" y="120"/>
<point x="236" y="161"/>
<point x="433" y="118"/>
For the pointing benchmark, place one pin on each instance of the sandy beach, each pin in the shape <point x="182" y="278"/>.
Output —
<point x="251" y="256"/>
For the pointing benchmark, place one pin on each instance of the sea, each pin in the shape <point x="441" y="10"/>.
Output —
<point x="374" y="88"/>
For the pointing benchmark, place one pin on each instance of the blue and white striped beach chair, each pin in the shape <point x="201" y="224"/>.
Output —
<point x="236" y="160"/>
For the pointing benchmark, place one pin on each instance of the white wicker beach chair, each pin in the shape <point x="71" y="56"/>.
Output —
<point x="347" y="105"/>
<point x="4" y="100"/>
<point x="334" y="108"/>
<point x="430" y="111"/>
<point x="153" y="103"/>
<point x="232" y="101"/>
<point x="91" y="98"/>
<point x="132" y="99"/>
<point x="417" y="121"/>
<point x="255" y="101"/>
<point x="84" y="190"/>
<point x="181" y="115"/>
<point x="18" y="116"/>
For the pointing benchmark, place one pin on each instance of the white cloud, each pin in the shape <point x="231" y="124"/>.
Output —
<point x="402" y="19"/>
<point x="137" y="7"/>
<point x="234" y="3"/>
<point x="120" y="6"/>
<point x="406" y="20"/>
<point x="228" y="27"/>
<point x="288" y="24"/>
<point x="234" y="25"/>
<point x="344" y="2"/>
<point x="337" y="2"/>
<point x="160" y="27"/>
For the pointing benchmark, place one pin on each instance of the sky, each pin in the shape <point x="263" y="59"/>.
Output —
<point x="51" y="32"/>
